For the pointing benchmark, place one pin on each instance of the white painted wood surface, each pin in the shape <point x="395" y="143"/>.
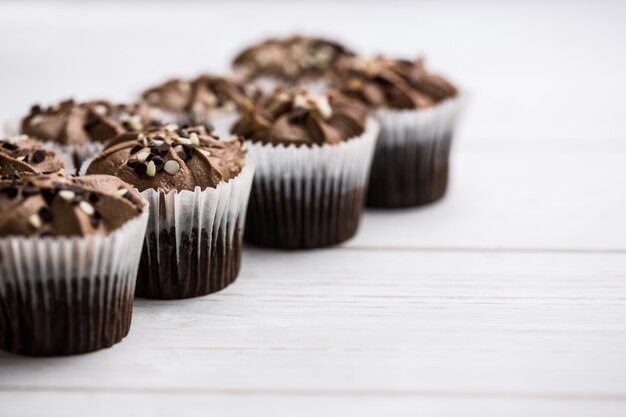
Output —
<point x="507" y="298"/>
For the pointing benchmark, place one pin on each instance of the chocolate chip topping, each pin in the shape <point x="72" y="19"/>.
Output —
<point x="170" y="158"/>
<point x="72" y="123"/>
<point x="57" y="205"/>
<point x="392" y="83"/>
<point x="292" y="59"/>
<point x="203" y="94"/>
<point x="24" y="154"/>
<point x="292" y="116"/>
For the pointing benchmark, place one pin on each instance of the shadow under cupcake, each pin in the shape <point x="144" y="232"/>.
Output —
<point x="312" y="155"/>
<point x="197" y="188"/>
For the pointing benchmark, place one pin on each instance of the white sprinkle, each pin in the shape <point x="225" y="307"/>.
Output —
<point x="67" y="195"/>
<point x="194" y="138"/>
<point x="210" y="99"/>
<point x="35" y="221"/>
<point x="135" y="122"/>
<point x="157" y="142"/>
<point x="86" y="208"/>
<point x="323" y="106"/>
<point x="151" y="169"/>
<point x="35" y="120"/>
<point x="172" y="127"/>
<point x="122" y="192"/>
<point x="20" y="158"/>
<point x="301" y="101"/>
<point x="185" y="141"/>
<point x="100" y="109"/>
<point x="229" y="106"/>
<point x="171" y="167"/>
<point x="142" y="156"/>
<point x="178" y="148"/>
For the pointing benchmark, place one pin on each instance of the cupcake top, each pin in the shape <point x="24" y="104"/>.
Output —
<point x="169" y="158"/>
<point x="24" y="154"/>
<point x="392" y="83"/>
<point x="57" y="205"/>
<point x="72" y="123"/>
<point x="293" y="58"/>
<point x="293" y="116"/>
<point x="202" y="94"/>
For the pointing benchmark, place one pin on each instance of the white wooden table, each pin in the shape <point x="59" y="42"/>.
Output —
<point x="507" y="298"/>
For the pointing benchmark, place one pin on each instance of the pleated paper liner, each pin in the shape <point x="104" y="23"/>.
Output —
<point x="194" y="239"/>
<point x="411" y="160"/>
<point x="64" y="296"/>
<point x="308" y="197"/>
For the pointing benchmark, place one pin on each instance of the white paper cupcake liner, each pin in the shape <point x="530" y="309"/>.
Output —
<point x="411" y="160"/>
<point x="68" y="295"/>
<point x="306" y="197"/>
<point x="194" y="239"/>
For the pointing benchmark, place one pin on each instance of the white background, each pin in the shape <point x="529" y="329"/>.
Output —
<point x="507" y="298"/>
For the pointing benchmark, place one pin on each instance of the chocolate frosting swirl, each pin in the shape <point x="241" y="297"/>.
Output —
<point x="72" y="123"/>
<point x="292" y="116"/>
<point x="203" y="94"/>
<point x="392" y="83"/>
<point x="24" y="154"/>
<point x="292" y="59"/>
<point x="57" y="205"/>
<point x="169" y="158"/>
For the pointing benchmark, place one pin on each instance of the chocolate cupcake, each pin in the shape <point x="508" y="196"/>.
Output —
<point x="198" y="189"/>
<point x="293" y="61"/>
<point x="23" y="154"/>
<point x="80" y="130"/>
<point x="418" y="112"/>
<point x="312" y="156"/>
<point x="69" y="251"/>
<point x="210" y="100"/>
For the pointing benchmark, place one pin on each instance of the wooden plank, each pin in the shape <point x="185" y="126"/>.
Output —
<point x="353" y="323"/>
<point x="514" y="201"/>
<point x="130" y="404"/>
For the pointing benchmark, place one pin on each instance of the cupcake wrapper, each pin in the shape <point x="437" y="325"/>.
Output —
<point x="194" y="239"/>
<point x="62" y="296"/>
<point x="410" y="166"/>
<point x="308" y="197"/>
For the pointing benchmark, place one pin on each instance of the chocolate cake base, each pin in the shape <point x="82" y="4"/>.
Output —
<point x="277" y="218"/>
<point x="409" y="176"/>
<point x="55" y="318"/>
<point x="203" y="267"/>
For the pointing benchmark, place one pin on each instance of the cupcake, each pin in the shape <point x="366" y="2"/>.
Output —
<point x="79" y="130"/>
<point x="210" y="100"/>
<point x="312" y="155"/>
<point x="24" y="154"/>
<point x="292" y="61"/>
<point x="198" y="189"/>
<point x="69" y="251"/>
<point x="418" y="113"/>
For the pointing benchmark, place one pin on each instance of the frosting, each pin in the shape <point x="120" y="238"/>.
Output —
<point x="291" y="59"/>
<point x="169" y="158"/>
<point x="203" y="94"/>
<point x="293" y="116"/>
<point x="24" y="154"/>
<point x="72" y="123"/>
<point x="57" y="205"/>
<point x="398" y="84"/>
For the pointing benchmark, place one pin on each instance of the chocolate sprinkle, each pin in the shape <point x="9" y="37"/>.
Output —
<point x="45" y="214"/>
<point x="136" y="149"/>
<point x="94" y="198"/>
<point x="140" y="169"/>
